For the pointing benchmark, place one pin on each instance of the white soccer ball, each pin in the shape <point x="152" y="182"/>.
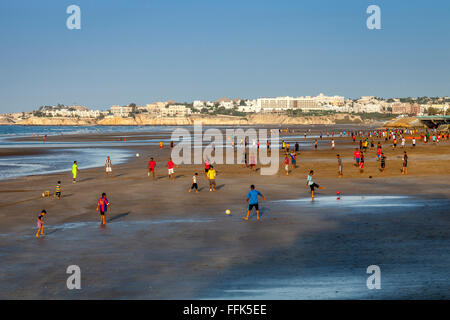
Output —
<point x="227" y="211"/>
<point x="137" y="155"/>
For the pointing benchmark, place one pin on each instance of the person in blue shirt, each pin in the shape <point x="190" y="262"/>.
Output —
<point x="102" y="207"/>
<point x="252" y="199"/>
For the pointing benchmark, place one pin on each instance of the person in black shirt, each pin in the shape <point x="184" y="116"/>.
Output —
<point x="405" y="163"/>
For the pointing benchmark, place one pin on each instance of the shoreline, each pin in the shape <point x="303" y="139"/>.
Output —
<point x="343" y="143"/>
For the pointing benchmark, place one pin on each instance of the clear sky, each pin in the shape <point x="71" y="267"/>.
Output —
<point x="146" y="50"/>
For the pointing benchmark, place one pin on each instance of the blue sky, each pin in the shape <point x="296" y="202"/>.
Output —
<point x="143" y="50"/>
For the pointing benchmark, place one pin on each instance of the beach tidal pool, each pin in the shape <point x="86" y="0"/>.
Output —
<point x="58" y="160"/>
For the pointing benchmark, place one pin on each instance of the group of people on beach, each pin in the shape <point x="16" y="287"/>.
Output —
<point x="290" y="157"/>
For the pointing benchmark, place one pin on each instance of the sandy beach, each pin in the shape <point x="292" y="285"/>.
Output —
<point x="161" y="242"/>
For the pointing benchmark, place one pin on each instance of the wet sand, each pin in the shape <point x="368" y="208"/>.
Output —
<point x="161" y="242"/>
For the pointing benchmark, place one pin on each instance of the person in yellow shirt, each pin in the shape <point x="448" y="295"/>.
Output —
<point x="75" y="171"/>
<point x="211" y="175"/>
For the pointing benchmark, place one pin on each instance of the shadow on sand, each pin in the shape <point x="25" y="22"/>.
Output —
<point x="118" y="216"/>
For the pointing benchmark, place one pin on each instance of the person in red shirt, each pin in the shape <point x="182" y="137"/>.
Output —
<point x="102" y="207"/>
<point x="361" y="164"/>
<point x="206" y="166"/>
<point x="357" y="156"/>
<point x="286" y="164"/>
<point x="170" y="168"/>
<point x="378" y="153"/>
<point x="151" y="167"/>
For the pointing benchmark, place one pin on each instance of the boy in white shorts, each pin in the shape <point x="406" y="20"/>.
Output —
<point x="170" y="169"/>
<point x="108" y="166"/>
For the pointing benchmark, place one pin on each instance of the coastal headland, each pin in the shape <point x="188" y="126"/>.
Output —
<point x="149" y="120"/>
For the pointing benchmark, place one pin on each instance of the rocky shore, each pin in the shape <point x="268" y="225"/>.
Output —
<point x="146" y="119"/>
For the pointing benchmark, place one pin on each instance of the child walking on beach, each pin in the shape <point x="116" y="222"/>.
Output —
<point x="286" y="164"/>
<point x="405" y="163"/>
<point x="206" y="167"/>
<point x="382" y="162"/>
<point x="151" y="168"/>
<point x="252" y="200"/>
<point x="102" y="207"/>
<point x="357" y="156"/>
<point x="361" y="164"/>
<point x="58" y="190"/>
<point x="40" y="223"/>
<point x="170" y="169"/>
<point x="194" y="183"/>
<point x="211" y="175"/>
<point x="294" y="159"/>
<point x="108" y="166"/>
<point x="339" y="160"/>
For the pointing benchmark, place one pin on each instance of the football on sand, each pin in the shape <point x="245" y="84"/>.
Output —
<point x="227" y="211"/>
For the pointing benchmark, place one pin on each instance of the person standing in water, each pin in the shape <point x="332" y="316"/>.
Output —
<point x="252" y="200"/>
<point x="75" y="171"/>
<point x="102" y="207"/>
<point x="40" y="223"/>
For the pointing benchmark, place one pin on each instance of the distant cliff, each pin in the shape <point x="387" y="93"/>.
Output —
<point x="146" y="119"/>
<point x="43" y="121"/>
